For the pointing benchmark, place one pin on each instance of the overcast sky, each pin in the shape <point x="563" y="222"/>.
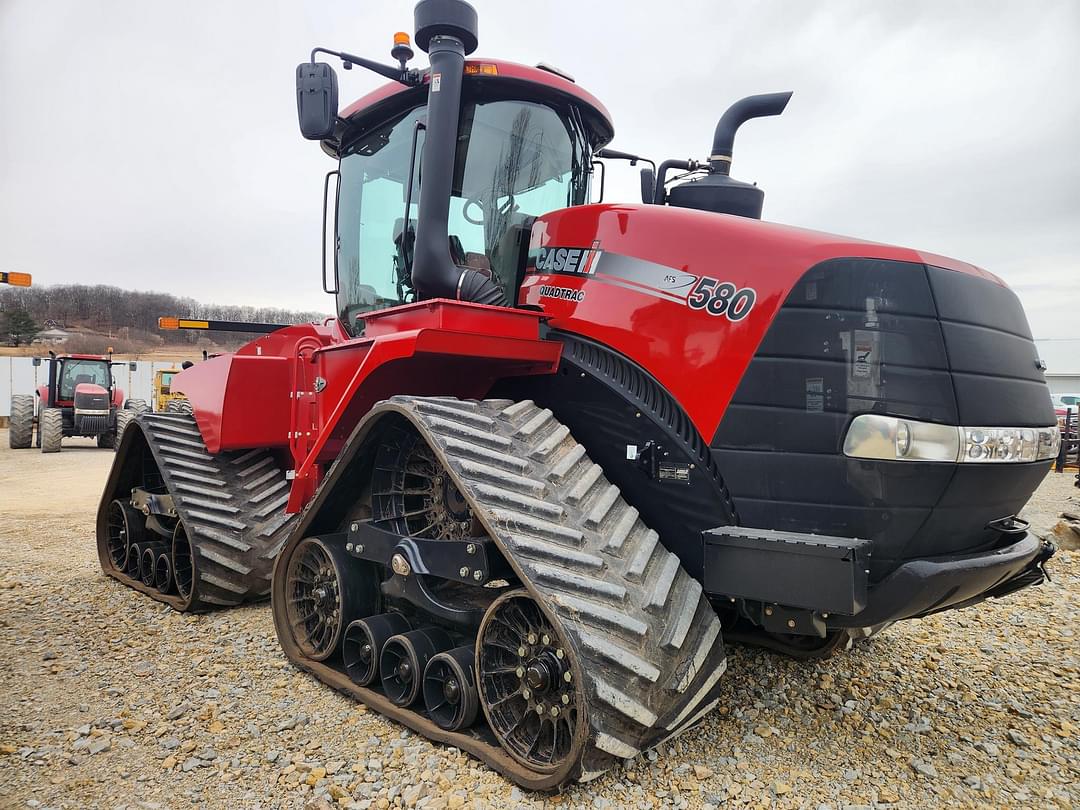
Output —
<point x="154" y="145"/>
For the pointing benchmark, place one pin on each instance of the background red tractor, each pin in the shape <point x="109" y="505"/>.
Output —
<point x="80" y="398"/>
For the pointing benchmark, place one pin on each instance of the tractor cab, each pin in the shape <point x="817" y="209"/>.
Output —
<point x="84" y="377"/>
<point x="516" y="159"/>
<point x="437" y="191"/>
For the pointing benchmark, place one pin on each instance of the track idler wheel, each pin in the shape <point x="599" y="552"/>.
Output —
<point x="363" y="644"/>
<point x="529" y="687"/>
<point x="450" y="689"/>
<point x="125" y="527"/>
<point x="322" y="597"/>
<point x="163" y="573"/>
<point x="404" y="659"/>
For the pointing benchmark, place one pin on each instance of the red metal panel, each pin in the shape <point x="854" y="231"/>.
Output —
<point x="506" y="70"/>
<point x="698" y="357"/>
<point x="306" y="387"/>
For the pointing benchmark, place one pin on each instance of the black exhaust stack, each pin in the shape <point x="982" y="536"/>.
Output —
<point x="446" y="30"/>
<point x="717" y="191"/>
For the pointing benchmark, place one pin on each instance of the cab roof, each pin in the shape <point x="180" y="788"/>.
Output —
<point x="491" y="70"/>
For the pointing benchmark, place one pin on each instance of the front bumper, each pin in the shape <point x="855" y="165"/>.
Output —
<point x="920" y="587"/>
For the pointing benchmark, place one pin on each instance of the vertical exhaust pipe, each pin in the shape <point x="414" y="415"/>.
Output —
<point x="447" y="31"/>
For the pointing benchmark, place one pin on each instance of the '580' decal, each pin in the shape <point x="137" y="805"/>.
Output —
<point x="721" y="298"/>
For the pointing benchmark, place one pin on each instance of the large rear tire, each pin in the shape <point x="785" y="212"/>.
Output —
<point x="52" y="429"/>
<point x="136" y="405"/>
<point x="21" y="425"/>
<point x="123" y="419"/>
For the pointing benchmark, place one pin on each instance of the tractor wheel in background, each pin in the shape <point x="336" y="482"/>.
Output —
<point x="51" y="428"/>
<point x="136" y="405"/>
<point x="107" y="440"/>
<point x="123" y="419"/>
<point x="21" y="425"/>
<point x="178" y="406"/>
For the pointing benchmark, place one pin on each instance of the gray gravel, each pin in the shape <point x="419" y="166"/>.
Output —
<point x="111" y="701"/>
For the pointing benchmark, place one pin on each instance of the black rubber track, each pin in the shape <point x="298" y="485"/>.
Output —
<point x="232" y="506"/>
<point x="647" y="643"/>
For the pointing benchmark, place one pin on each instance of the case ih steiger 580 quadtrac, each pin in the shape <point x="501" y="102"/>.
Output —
<point x="80" y="398"/>
<point x="550" y="452"/>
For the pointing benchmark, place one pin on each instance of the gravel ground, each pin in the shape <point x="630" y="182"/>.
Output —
<point x="109" y="700"/>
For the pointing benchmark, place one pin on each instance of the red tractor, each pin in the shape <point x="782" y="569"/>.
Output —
<point x="81" y="398"/>
<point x="550" y="453"/>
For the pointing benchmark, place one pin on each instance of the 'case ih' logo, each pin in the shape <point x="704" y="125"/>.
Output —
<point x="568" y="260"/>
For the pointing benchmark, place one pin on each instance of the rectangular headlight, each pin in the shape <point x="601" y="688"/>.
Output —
<point x="893" y="439"/>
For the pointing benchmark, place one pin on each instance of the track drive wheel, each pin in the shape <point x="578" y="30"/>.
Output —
<point x="21" y="423"/>
<point x="125" y="528"/>
<point x="52" y="429"/>
<point x="530" y="684"/>
<point x="322" y="595"/>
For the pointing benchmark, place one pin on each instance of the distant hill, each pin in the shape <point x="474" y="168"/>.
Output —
<point x="127" y="319"/>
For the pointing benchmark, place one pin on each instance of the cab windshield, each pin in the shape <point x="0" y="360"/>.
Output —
<point x="82" y="371"/>
<point x="515" y="160"/>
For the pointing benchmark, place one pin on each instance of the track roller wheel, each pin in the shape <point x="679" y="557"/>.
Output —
<point x="529" y="687"/>
<point x="404" y="659"/>
<point x="134" y="560"/>
<point x="183" y="567"/>
<point x="148" y="562"/>
<point x="125" y="527"/>
<point x="163" y="573"/>
<point x="450" y="689"/>
<point x="363" y="644"/>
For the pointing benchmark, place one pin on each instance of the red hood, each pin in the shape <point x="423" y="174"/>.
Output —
<point x="90" y="388"/>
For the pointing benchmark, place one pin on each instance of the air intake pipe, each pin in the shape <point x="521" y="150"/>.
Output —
<point x="737" y="114"/>
<point x="717" y="191"/>
<point x="446" y="31"/>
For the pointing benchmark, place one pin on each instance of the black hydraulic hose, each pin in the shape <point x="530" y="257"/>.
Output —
<point x="661" y="175"/>
<point x="738" y="114"/>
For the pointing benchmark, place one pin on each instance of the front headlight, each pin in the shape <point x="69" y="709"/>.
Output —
<point x="893" y="439"/>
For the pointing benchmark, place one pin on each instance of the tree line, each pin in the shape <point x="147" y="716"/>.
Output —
<point x="112" y="309"/>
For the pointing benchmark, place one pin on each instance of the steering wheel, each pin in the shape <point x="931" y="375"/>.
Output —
<point x="471" y="201"/>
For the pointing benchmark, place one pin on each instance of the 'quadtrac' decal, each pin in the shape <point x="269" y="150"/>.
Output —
<point x="701" y="293"/>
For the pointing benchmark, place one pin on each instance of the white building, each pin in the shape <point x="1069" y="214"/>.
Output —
<point x="52" y="336"/>
<point x="1062" y="358"/>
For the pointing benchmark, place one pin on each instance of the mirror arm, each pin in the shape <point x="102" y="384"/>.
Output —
<point x="410" y="78"/>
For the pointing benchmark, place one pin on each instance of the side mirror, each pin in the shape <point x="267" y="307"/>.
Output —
<point x="316" y="99"/>
<point x="648" y="184"/>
